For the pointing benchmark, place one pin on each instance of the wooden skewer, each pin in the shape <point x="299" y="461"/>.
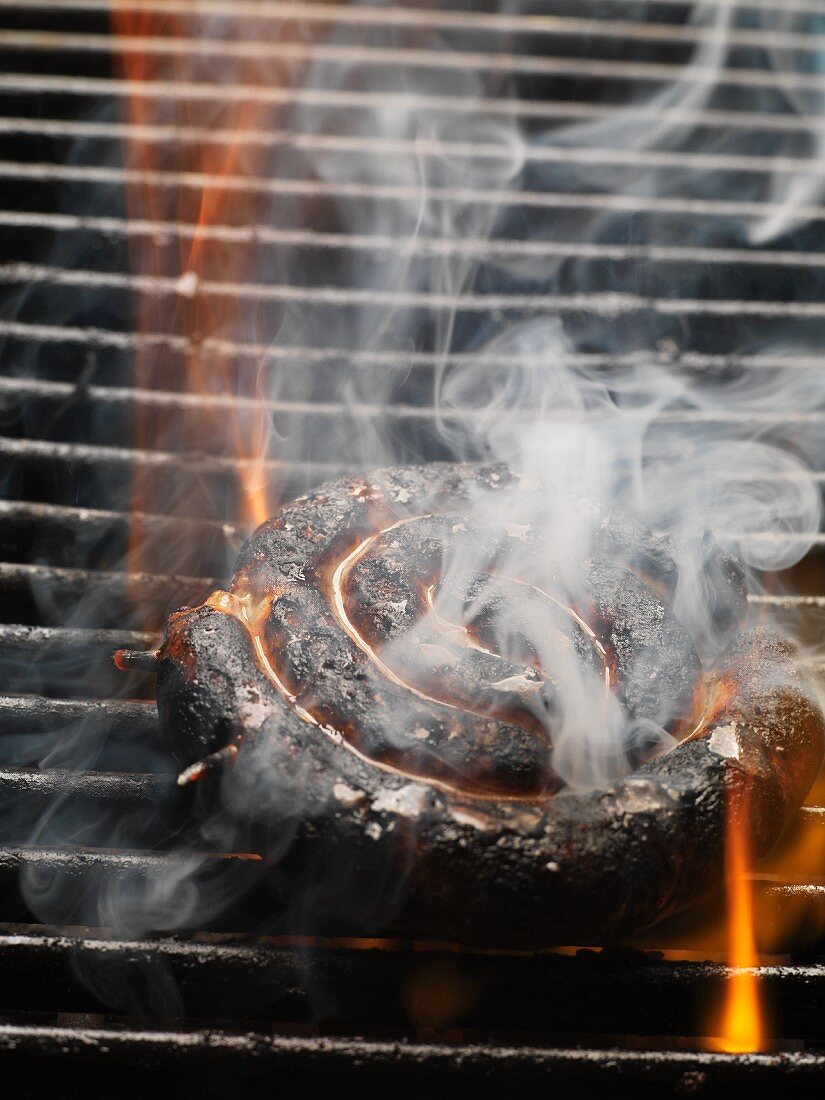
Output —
<point x="127" y="659"/>
<point x="214" y="762"/>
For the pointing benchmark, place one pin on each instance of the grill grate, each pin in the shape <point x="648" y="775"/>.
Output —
<point x="70" y="298"/>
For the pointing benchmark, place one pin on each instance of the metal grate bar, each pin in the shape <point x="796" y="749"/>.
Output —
<point x="82" y="518"/>
<point x="398" y="15"/>
<point x="13" y="573"/>
<point x="66" y="661"/>
<point x="419" y="147"/>
<point x="101" y="539"/>
<point x="35" y="594"/>
<point x="341" y="99"/>
<point x="92" y="786"/>
<point x="36" y="714"/>
<point x="67" y="473"/>
<point x="366" y="56"/>
<point x="492" y="22"/>
<point x="127" y="1063"/>
<point x="116" y="396"/>
<point x="21" y="170"/>
<point x="90" y="523"/>
<point x="71" y="860"/>
<point x="85" y="871"/>
<point x="630" y="993"/>
<point x="788" y="601"/>
<point x="90" y="870"/>
<point x="111" y="398"/>
<point x="160" y="460"/>
<point x="53" y="802"/>
<point x="427" y="247"/>
<point x="607" y="304"/>
<point x="403" y="359"/>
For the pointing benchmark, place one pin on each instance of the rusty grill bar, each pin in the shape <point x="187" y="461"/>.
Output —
<point x="67" y="399"/>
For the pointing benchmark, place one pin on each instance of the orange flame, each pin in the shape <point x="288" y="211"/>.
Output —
<point x="224" y="141"/>
<point x="742" y="1029"/>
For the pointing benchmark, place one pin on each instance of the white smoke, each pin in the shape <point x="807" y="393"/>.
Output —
<point x="686" y="452"/>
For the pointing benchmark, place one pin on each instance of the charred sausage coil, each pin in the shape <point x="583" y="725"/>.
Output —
<point x="399" y="732"/>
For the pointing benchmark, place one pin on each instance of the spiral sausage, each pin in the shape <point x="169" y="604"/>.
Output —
<point x="397" y="742"/>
